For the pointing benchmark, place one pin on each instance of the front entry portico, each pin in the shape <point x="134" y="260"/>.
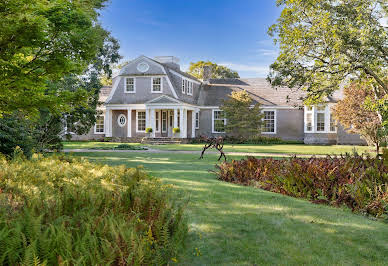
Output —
<point x="161" y="114"/>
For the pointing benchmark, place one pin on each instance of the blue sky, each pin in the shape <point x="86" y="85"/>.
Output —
<point x="228" y="32"/>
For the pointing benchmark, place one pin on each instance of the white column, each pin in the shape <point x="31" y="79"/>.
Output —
<point x="181" y="122"/>
<point x="129" y="123"/>
<point x="153" y="122"/>
<point x="193" y="123"/>
<point x="109" y="122"/>
<point x="147" y="117"/>
<point x="175" y="117"/>
<point x="185" y="123"/>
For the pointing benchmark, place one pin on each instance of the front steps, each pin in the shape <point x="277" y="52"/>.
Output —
<point x="161" y="141"/>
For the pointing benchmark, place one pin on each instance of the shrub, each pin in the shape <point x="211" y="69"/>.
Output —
<point x="251" y="140"/>
<point x="176" y="130"/>
<point x="148" y="130"/>
<point x="15" y="131"/>
<point x="359" y="183"/>
<point x="68" y="211"/>
<point x="129" y="147"/>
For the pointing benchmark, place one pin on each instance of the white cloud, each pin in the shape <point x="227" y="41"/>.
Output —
<point x="268" y="52"/>
<point x="267" y="42"/>
<point x="260" y="71"/>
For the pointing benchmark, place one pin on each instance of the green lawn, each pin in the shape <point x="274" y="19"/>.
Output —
<point x="264" y="148"/>
<point x="237" y="225"/>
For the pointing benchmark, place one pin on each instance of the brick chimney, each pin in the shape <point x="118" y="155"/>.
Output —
<point x="207" y="72"/>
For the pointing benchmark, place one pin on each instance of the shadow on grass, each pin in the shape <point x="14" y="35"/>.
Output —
<point x="232" y="224"/>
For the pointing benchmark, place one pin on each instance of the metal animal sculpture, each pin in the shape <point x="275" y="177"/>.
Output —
<point x="217" y="143"/>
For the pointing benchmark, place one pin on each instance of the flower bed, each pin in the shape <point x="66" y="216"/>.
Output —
<point x="351" y="180"/>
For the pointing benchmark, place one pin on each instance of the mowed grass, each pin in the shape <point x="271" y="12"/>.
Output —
<point x="263" y="148"/>
<point x="236" y="225"/>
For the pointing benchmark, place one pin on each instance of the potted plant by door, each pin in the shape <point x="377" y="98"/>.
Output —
<point x="176" y="132"/>
<point x="148" y="131"/>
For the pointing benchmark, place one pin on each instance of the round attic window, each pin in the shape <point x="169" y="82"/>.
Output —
<point x="143" y="67"/>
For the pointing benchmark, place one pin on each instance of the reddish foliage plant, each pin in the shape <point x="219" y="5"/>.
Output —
<point x="351" y="180"/>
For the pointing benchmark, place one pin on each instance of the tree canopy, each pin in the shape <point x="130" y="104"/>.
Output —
<point x="353" y="113"/>
<point x="324" y="43"/>
<point x="42" y="42"/>
<point x="243" y="120"/>
<point x="217" y="71"/>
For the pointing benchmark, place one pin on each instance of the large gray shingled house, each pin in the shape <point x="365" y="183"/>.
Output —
<point x="156" y="93"/>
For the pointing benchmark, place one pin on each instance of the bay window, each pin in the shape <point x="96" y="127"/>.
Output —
<point x="318" y="119"/>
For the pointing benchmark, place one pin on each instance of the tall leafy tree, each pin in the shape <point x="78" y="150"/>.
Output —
<point x="355" y="114"/>
<point x="325" y="43"/>
<point x="41" y="42"/>
<point x="217" y="71"/>
<point x="244" y="118"/>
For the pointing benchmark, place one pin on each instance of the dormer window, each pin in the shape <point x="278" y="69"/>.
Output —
<point x="183" y="86"/>
<point x="157" y="85"/>
<point x="130" y="85"/>
<point x="187" y="87"/>
<point x="190" y="88"/>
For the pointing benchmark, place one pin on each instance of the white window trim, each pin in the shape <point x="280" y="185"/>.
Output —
<point x="275" y="122"/>
<point x="95" y="132"/>
<point x="152" y="85"/>
<point x="314" y="113"/>
<point x="216" y="132"/>
<point x="196" y="126"/>
<point x="134" y="85"/>
<point x="118" y="120"/>
<point x="137" y="120"/>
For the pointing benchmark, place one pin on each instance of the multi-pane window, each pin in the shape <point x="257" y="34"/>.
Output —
<point x="269" y="122"/>
<point x="320" y="121"/>
<point x="129" y="85"/>
<point x="121" y="120"/>
<point x="141" y="121"/>
<point x="164" y="121"/>
<point x="183" y="86"/>
<point x="219" y="121"/>
<point x="179" y="118"/>
<point x="156" y="84"/>
<point x="187" y="87"/>
<point x="309" y="122"/>
<point x="190" y="88"/>
<point x="332" y="124"/>
<point x="197" y="120"/>
<point x="99" y="127"/>
<point x="157" y="120"/>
